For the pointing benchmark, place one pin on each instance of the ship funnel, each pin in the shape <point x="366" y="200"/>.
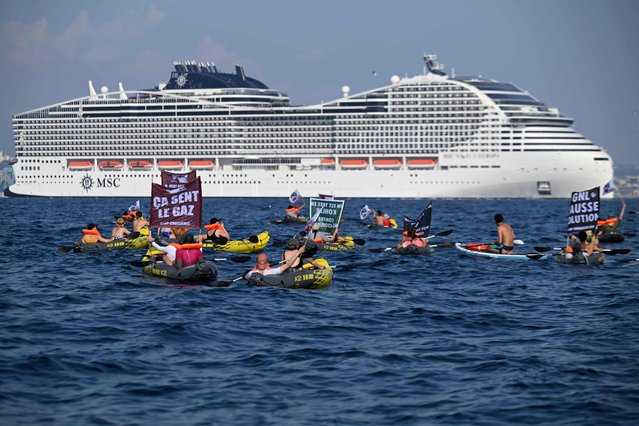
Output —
<point x="239" y="70"/>
<point x="122" y="93"/>
<point x="92" y="91"/>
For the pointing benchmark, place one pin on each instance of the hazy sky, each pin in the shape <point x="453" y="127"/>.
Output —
<point x="578" y="55"/>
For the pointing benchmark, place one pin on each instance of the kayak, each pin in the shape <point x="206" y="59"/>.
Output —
<point x="134" y="243"/>
<point x="413" y="251"/>
<point x="313" y="279"/>
<point x="581" y="259"/>
<point x="462" y="248"/>
<point x="611" y="237"/>
<point x="288" y="220"/>
<point x="202" y="271"/>
<point x="240" y="246"/>
<point x="348" y="244"/>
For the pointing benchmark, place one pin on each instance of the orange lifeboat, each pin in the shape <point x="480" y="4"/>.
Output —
<point x="354" y="164"/>
<point x="170" y="164"/>
<point x="328" y="161"/>
<point x="422" y="163"/>
<point x="140" y="165"/>
<point x="202" y="164"/>
<point x="388" y="163"/>
<point x="111" y="164"/>
<point x="80" y="165"/>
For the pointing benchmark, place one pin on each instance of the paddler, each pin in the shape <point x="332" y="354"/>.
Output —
<point x="139" y="223"/>
<point x="291" y="251"/>
<point x="169" y="251"/>
<point x="188" y="253"/>
<point x="293" y="212"/>
<point x="92" y="235"/>
<point x="119" y="230"/>
<point x="215" y="232"/>
<point x="410" y="238"/>
<point x="262" y="266"/>
<point x="320" y="237"/>
<point x="378" y="216"/>
<point x="505" y="237"/>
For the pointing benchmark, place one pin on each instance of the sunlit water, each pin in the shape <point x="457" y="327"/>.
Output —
<point x="88" y="339"/>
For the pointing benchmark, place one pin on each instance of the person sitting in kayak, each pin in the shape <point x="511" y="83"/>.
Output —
<point x="140" y="222"/>
<point x="411" y="238"/>
<point x="292" y="248"/>
<point x="320" y="237"/>
<point x="169" y="251"/>
<point x="188" y="253"/>
<point x="262" y="266"/>
<point x="292" y="212"/>
<point x="505" y="237"/>
<point x="119" y="230"/>
<point x="92" y="235"/>
<point x="580" y="244"/>
<point x="216" y="232"/>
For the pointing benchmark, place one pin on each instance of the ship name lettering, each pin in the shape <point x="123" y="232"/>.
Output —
<point x="108" y="182"/>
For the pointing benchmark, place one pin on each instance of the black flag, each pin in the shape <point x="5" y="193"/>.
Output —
<point x="421" y="224"/>
<point x="584" y="210"/>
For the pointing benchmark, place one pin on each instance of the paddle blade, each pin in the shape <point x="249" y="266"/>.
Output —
<point x="444" y="233"/>
<point x="359" y="241"/>
<point x="613" y="252"/>
<point x="543" y="249"/>
<point x="65" y="249"/>
<point x="445" y="244"/>
<point x="141" y="263"/>
<point x="535" y="256"/>
<point x="239" y="259"/>
<point x="279" y="243"/>
<point x="377" y="250"/>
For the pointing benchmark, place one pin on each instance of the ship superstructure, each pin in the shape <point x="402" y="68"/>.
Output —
<point x="424" y="136"/>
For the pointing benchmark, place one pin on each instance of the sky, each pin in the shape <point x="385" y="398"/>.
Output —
<point x="580" y="56"/>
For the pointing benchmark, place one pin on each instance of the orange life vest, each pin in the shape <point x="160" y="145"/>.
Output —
<point x="186" y="246"/>
<point x="387" y="222"/>
<point x="292" y="209"/>
<point x="610" y="221"/>
<point x="214" y="226"/>
<point x="90" y="235"/>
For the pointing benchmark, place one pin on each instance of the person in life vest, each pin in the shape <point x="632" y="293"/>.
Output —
<point x="216" y="232"/>
<point x="140" y="222"/>
<point x="291" y="251"/>
<point x="92" y="235"/>
<point x="293" y="212"/>
<point x="505" y="237"/>
<point x="319" y="237"/>
<point x="188" y="253"/>
<point x="169" y="250"/>
<point x="262" y="266"/>
<point x="119" y="231"/>
<point x="411" y="238"/>
<point x="580" y="244"/>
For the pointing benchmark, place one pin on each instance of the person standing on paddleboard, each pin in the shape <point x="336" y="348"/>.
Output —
<point x="505" y="237"/>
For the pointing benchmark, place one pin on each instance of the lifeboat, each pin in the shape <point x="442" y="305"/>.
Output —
<point x="354" y="164"/>
<point x="422" y="163"/>
<point x="170" y="164"/>
<point x="80" y="165"/>
<point x="111" y="165"/>
<point x="328" y="161"/>
<point x="387" y="164"/>
<point x="202" y="164"/>
<point x="140" y="165"/>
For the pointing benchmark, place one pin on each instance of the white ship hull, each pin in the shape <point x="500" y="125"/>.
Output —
<point x="511" y="175"/>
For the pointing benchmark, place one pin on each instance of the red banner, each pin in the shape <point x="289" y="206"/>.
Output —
<point x="173" y="180"/>
<point x="179" y="207"/>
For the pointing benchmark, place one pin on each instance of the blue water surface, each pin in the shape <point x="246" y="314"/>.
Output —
<point x="444" y="339"/>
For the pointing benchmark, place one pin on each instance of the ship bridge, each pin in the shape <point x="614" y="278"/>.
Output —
<point x="189" y="75"/>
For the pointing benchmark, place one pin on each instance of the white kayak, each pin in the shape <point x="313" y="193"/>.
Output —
<point x="528" y="256"/>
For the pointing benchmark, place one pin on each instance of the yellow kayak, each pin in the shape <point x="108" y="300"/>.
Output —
<point x="252" y="244"/>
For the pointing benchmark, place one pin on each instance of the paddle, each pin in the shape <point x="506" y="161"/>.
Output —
<point x="65" y="249"/>
<point x="357" y="241"/>
<point x="609" y="252"/>
<point x="236" y="259"/>
<point x="535" y="256"/>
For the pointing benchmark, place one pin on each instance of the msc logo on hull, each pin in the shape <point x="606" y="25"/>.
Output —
<point x="87" y="183"/>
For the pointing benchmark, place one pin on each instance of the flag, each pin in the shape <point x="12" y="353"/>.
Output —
<point x="135" y="206"/>
<point x="294" y="197"/>
<point x="421" y="224"/>
<point x="584" y="210"/>
<point x="311" y="222"/>
<point x="179" y="207"/>
<point x="364" y="212"/>
<point x="609" y="187"/>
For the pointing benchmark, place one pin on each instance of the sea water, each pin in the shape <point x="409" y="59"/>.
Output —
<point x="449" y="339"/>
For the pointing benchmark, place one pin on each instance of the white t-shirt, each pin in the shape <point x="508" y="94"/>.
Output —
<point x="272" y="271"/>
<point x="169" y="250"/>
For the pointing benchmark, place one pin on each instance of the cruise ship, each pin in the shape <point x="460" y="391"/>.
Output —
<point x="427" y="136"/>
